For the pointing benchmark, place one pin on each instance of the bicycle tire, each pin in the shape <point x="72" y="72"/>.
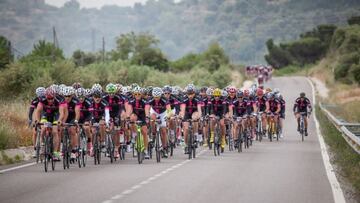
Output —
<point x="171" y="149"/>
<point x="37" y="146"/>
<point x="51" y="153"/>
<point x="64" y="150"/>
<point x="139" y="156"/>
<point x="46" y="153"/>
<point x="94" y="140"/>
<point x="157" y="148"/>
<point x="110" y="149"/>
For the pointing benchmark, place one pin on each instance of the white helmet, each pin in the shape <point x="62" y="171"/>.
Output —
<point x="80" y="92"/>
<point x="137" y="89"/>
<point x="68" y="91"/>
<point x="88" y="92"/>
<point x="157" y="92"/>
<point x="96" y="88"/>
<point x="40" y="91"/>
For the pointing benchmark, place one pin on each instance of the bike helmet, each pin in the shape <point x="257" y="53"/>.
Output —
<point x="276" y="90"/>
<point x="88" y="92"/>
<point x="231" y="89"/>
<point x="167" y="89"/>
<point x="76" y="85"/>
<point x="246" y="93"/>
<point x="80" y="92"/>
<point x="110" y="88"/>
<point x="217" y="92"/>
<point x="157" y="92"/>
<point x="40" y="91"/>
<point x="96" y="88"/>
<point x="224" y="93"/>
<point x="68" y="91"/>
<point x="209" y="91"/>
<point x="259" y="92"/>
<point x="302" y="94"/>
<point x="175" y="91"/>
<point x="136" y="90"/>
<point x="49" y="93"/>
<point x="190" y="89"/>
<point x="240" y="94"/>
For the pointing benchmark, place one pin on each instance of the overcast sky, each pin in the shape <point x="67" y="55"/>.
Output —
<point x="97" y="3"/>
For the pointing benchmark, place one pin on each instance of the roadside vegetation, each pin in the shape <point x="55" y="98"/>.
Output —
<point x="342" y="155"/>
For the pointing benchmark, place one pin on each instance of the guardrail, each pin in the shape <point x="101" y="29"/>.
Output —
<point x="346" y="129"/>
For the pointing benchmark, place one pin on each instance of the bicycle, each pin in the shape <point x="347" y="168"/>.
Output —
<point x="247" y="132"/>
<point x="48" y="146"/>
<point x="272" y="127"/>
<point x="240" y="133"/>
<point x="122" y="148"/>
<point x="229" y="136"/>
<point x="191" y="144"/>
<point x="158" y="144"/>
<point x="82" y="149"/>
<point x="259" y="127"/>
<point x="302" y="125"/>
<point x="38" y="143"/>
<point x="96" y="143"/>
<point x="110" y="147"/>
<point x="66" y="148"/>
<point x="172" y="138"/>
<point x="139" y="144"/>
<point x="217" y="136"/>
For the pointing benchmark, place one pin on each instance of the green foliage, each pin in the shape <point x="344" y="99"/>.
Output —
<point x="240" y="26"/>
<point x="5" y="52"/>
<point x="354" y="20"/>
<point x="185" y="63"/>
<point x="277" y="57"/>
<point x="214" y="57"/>
<point x="81" y="58"/>
<point x="344" y="156"/>
<point x="306" y="50"/>
<point x="44" y="51"/>
<point x="355" y="72"/>
<point x="344" y="65"/>
<point x="140" y="49"/>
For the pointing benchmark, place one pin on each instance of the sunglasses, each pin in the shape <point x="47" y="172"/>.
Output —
<point x="137" y="94"/>
<point x="167" y="93"/>
<point x="68" y="96"/>
<point x="96" y="97"/>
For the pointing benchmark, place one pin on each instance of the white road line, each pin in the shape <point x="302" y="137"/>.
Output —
<point x="17" y="167"/>
<point x="335" y="186"/>
<point x="154" y="177"/>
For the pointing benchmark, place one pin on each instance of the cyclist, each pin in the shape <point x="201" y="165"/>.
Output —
<point x="282" y="111"/>
<point x="217" y="107"/>
<point x="239" y="108"/>
<point x="302" y="105"/>
<point x="67" y="108"/>
<point x="117" y="105"/>
<point x="40" y="95"/>
<point x="273" y="109"/>
<point x="82" y="114"/>
<point x="190" y="109"/>
<point x="175" y="106"/>
<point x="160" y="108"/>
<point x="136" y="110"/>
<point x="262" y="105"/>
<point x="99" y="110"/>
<point x="48" y="111"/>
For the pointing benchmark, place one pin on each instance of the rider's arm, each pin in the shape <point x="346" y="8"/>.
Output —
<point x="168" y="111"/>
<point x="63" y="113"/>
<point x="182" y="110"/>
<point x="129" y="110"/>
<point x="77" y="112"/>
<point x="199" y="109"/>
<point x="31" y="111"/>
<point x="267" y="110"/>
<point x="278" y="108"/>
<point x="38" y="111"/>
<point x="107" y="115"/>
<point x="147" y="110"/>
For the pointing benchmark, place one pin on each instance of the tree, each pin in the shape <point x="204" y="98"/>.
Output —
<point x="5" y="52"/>
<point x="45" y="51"/>
<point x="354" y="20"/>
<point x="214" y="57"/>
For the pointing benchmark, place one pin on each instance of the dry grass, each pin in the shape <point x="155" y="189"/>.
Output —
<point x="14" y="129"/>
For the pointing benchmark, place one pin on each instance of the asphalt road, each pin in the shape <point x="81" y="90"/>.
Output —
<point x="284" y="171"/>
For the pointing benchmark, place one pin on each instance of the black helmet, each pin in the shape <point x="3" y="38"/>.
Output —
<point x="302" y="94"/>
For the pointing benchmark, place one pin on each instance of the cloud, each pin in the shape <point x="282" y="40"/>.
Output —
<point x="96" y="3"/>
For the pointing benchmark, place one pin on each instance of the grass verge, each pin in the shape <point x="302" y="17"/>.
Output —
<point x="292" y="70"/>
<point x="343" y="155"/>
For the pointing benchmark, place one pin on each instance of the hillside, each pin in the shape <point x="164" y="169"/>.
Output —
<point x="241" y="26"/>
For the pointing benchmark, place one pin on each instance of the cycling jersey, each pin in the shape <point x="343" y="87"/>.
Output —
<point x="282" y="111"/>
<point x="116" y="104"/>
<point x="50" y="112"/>
<point x="229" y="102"/>
<point x="302" y="105"/>
<point x="191" y="106"/>
<point x="261" y="103"/>
<point x="274" y="105"/>
<point x="34" y="103"/>
<point x="240" y="108"/>
<point x="174" y="103"/>
<point x="217" y="107"/>
<point x="159" y="106"/>
<point x="71" y="109"/>
<point x="97" y="110"/>
<point x="138" y="107"/>
<point x="84" y="106"/>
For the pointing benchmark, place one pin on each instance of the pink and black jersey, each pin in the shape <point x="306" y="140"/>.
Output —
<point x="159" y="106"/>
<point x="98" y="110"/>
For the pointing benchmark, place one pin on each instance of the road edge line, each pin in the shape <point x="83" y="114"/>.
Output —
<point x="334" y="183"/>
<point x="17" y="167"/>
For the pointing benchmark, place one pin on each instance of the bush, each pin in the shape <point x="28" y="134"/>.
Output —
<point x="355" y="72"/>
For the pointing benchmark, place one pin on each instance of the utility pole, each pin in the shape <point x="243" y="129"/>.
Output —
<point x="103" y="49"/>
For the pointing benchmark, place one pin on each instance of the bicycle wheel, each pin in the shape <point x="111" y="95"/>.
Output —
<point x="46" y="154"/>
<point x="64" y="150"/>
<point x="95" y="146"/>
<point x="110" y="149"/>
<point x="51" y="153"/>
<point x="37" y="146"/>
<point x="302" y="131"/>
<point x="157" y="147"/>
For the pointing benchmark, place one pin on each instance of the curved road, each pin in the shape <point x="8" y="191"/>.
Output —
<point x="284" y="171"/>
